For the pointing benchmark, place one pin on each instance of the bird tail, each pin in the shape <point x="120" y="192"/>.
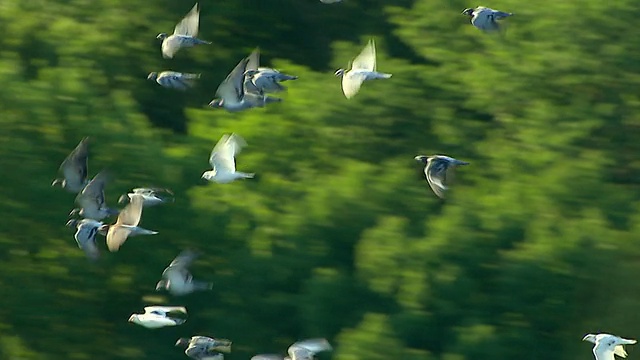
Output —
<point x="202" y="285"/>
<point x="384" y="76"/>
<point x="245" y="175"/>
<point x="223" y="345"/>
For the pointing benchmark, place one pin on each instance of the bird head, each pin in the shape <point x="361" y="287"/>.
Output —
<point x="182" y="342"/>
<point x="467" y="11"/>
<point x="152" y="76"/>
<point x="340" y="72"/>
<point x="216" y="103"/>
<point x="423" y="159"/>
<point x="161" y="36"/>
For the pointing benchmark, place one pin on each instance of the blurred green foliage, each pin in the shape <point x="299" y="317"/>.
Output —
<point x="339" y="235"/>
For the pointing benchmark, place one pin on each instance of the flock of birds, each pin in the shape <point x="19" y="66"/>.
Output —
<point x="244" y="88"/>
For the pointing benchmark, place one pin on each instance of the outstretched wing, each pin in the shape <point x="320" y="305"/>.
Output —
<point x="231" y="90"/>
<point x="223" y="155"/>
<point x="76" y="165"/>
<point x="366" y="60"/>
<point x="189" y="24"/>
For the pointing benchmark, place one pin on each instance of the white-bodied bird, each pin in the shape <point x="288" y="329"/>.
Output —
<point x="436" y="169"/>
<point x="363" y="68"/>
<point x="184" y="35"/>
<point x="607" y="345"/>
<point x="484" y="18"/>
<point x="301" y="350"/>
<point x="223" y="160"/>
<point x="155" y="317"/>
<point x="174" y="79"/>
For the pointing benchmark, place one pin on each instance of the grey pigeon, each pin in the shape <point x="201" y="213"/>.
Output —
<point x="232" y="94"/>
<point x="485" y="18"/>
<point x="174" y="80"/>
<point x="91" y="199"/>
<point x="75" y="168"/>
<point x="363" y="68"/>
<point x="301" y="350"/>
<point x="86" y="231"/>
<point x="607" y="345"/>
<point x="184" y="35"/>
<point x="223" y="160"/>
<point x="177" y="279"/>
<point x="151" y="196"/>
<point x="204" y="348"/>
<point x="436" y="168"/>
<point x="263" y="79"/>
<point x="126" y="225"/>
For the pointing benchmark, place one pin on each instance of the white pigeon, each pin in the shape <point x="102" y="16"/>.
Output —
<point x="155" y="317"/>
<point x="177" y="279"/>
<point x="301" y="350"/>
<point x="86" y="231"/>
<point x="484" y="18"/>
<point x="75" y="167"/>
<point x="363" y="68"/>
<point x="184" y="35"/>
<point x="223" y="160"/>
<point x="126" y="225"/>
<point x="151" y="196"/>
<point x="232" y="94"/>
<point x="91" y="199"/>
<point x="436" y="169"/>
<point x="174" y="79"/>
<point x="606" y="345"/>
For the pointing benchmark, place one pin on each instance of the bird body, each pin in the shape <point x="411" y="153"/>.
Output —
<point x="204" y="348"/>
<point x="222" y="159"/>
<point x="174" y="79"/>
<point x="484" y="18"/>
<point x="126" y="225"/>
<point x="155" y="317"/>
<point x="75" y="168"/>
<point x="363" y="68"/>
<point x="177" y="279"/>
<point x="607" y="345"/>
<point x="436" y="169"/>
<point x="184" y="35"/>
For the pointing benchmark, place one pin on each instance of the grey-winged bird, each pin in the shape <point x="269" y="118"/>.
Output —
<point x="484" y="18"/>
<point x="263" y="80"/>
<point x="184" y="34"/>
<point x="436" y="169"/>
<point x="74" y="168"/>
<point x="363" y="68"/>
<point x="174" y="80"/>
<point x="301" y="350"/>
<point x="204" y="348"/>
<point x="91" y="199"/>
<point x="177" y="279"/>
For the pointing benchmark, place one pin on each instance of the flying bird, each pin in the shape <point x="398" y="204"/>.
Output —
<point x="436" y="169"/>
<point x="204" y="348"/>
<point x="184" y="35"/>
<point x="91" y="199"/>
<point x="262" y="80"/>
<point x="174" y="80"/>
<point x="151" y="196"/>
<point x="75" y="167"/>
<point x="86" y="231"/>
<point x="155" y="317"/>
<point x="177" y="279"/>
<point x="606" y="345"/>
<point x="301" y="350"/>
<point x="126" y="225"/>
<point x="223" y="160"/>
<point x="330" y="1"/>
<point x="363" y="68"/>
<point x="485" y="18"/>
<point x="232" y="94"/>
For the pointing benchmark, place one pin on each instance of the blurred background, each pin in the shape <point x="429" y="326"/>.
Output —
<point x="339" y="235"/>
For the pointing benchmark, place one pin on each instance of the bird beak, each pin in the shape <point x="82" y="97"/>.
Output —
<point x="131" y="318"/>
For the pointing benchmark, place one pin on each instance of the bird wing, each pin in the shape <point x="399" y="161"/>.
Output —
<point x="189" y="24"/>
<point x="603" y="351"/>
<point x="231" y="90"/>
<point x="184" y="259"/>
<point x="116" y="236"/>
<point x="497" y="14"/>
<point x="92" y="196"/>
<point x="223" y="155"/>
<point x="164" y="310"/>
<point x="436" y="172"/>
<point x="86" y="237"/>
<point x="131" y="214"/>
<point x="620" y="351"/>
<point x="351" y="83"/>
<point x="366" y="60"/>
<point x="76" y="165"/>
<point x="306" y="349"/>
<point x="253" y="62"/>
